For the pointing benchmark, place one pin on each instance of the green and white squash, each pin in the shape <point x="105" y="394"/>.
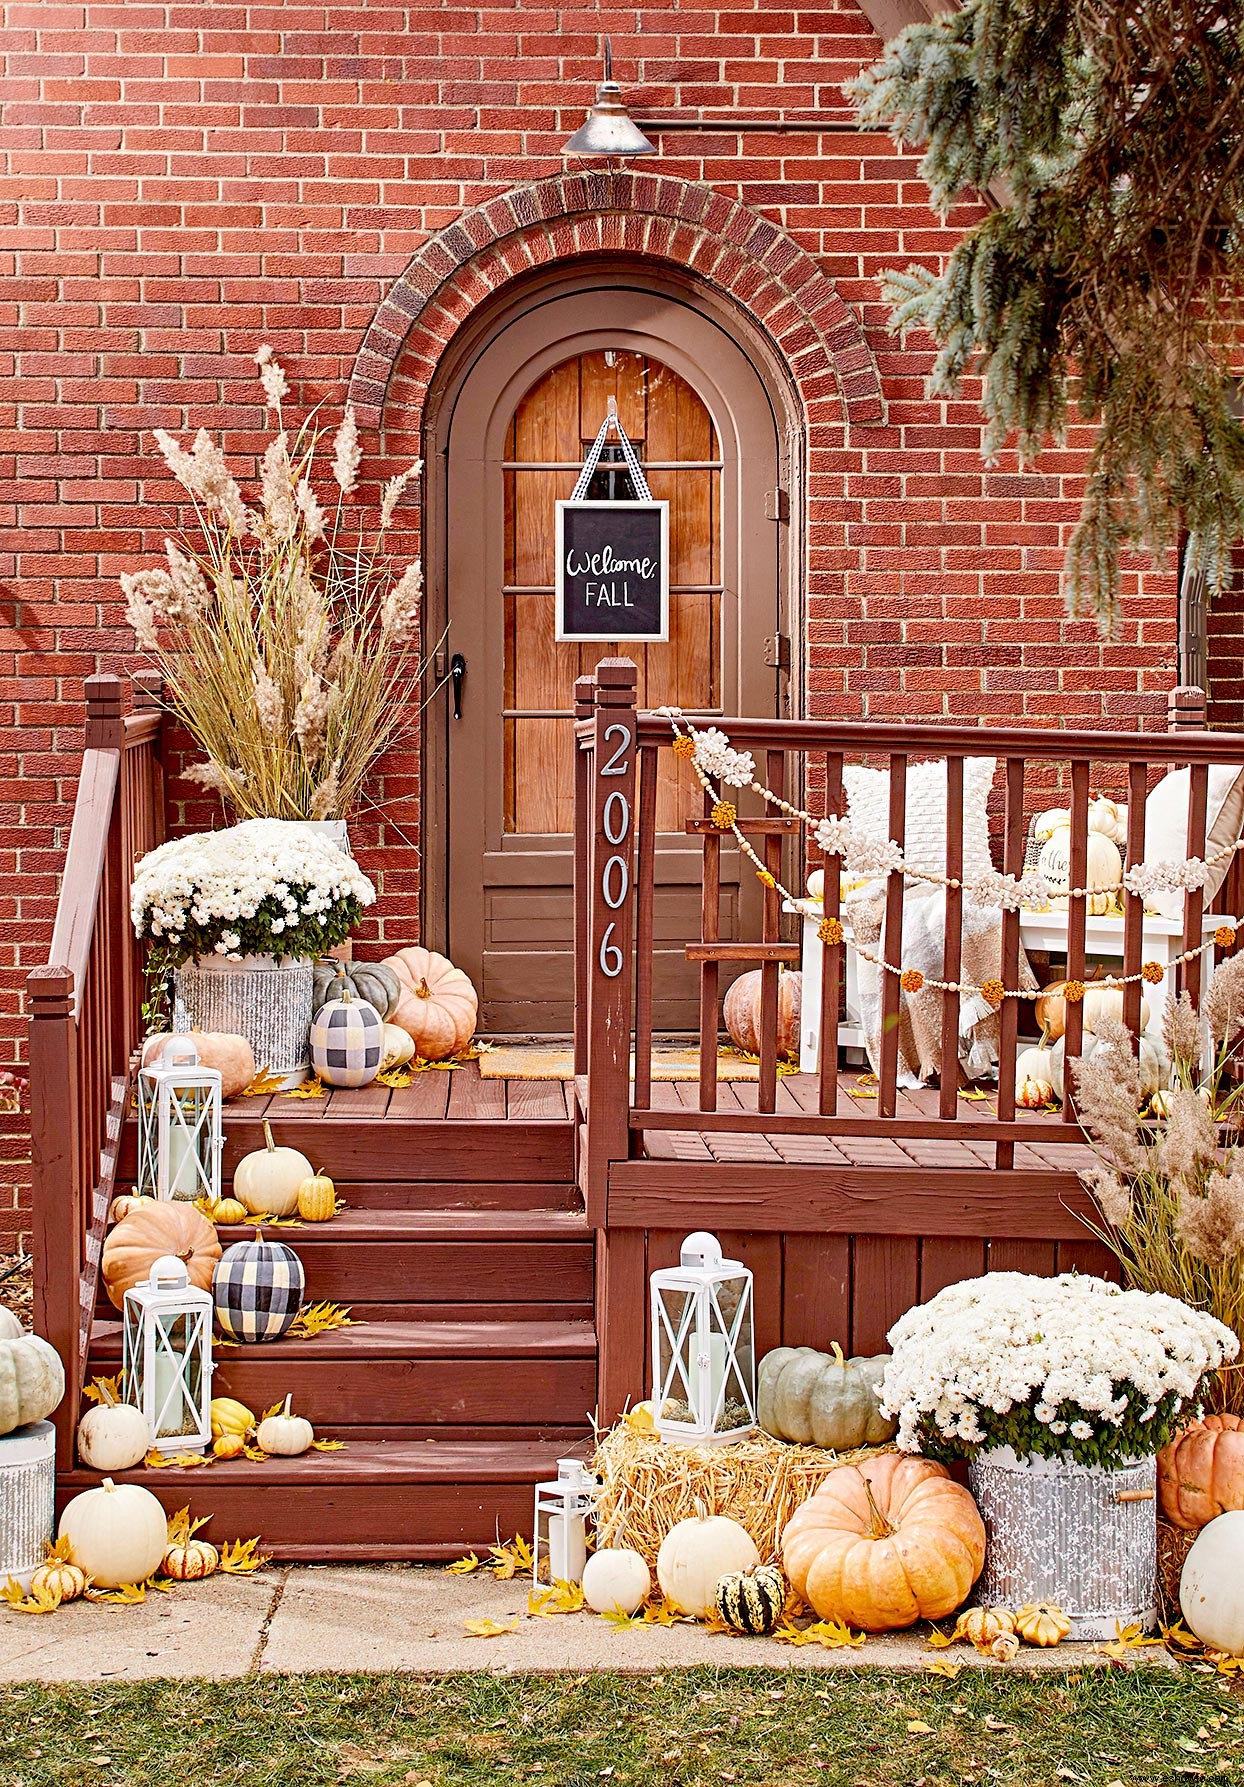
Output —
<point x="32" y="1380"/>
<point x="822" y="1399"/>
<point x="752" y="1600"/>
<point x="371" y="981"/>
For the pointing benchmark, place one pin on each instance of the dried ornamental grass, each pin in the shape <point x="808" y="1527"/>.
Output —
<point x="648" y="1486"/>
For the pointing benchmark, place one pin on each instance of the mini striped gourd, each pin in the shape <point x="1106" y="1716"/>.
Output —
<point x="752" y="1600"/>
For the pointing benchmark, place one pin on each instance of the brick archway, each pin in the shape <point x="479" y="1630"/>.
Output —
<point x="742" y="254"/>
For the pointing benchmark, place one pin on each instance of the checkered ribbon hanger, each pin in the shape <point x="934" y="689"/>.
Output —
<point x="638" y="481"/>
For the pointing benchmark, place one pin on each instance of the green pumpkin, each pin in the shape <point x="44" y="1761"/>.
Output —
<point x="822" y="1399"/>
<point x="32" y="1380"/>
<point x="752" y="1600"/>
<point x="371" y="981"/>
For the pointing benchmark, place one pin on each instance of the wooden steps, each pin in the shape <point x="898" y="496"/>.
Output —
<point x="465" y="1259"/>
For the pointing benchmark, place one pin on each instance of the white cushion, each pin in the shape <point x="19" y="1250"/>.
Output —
<point x="1166" y="827"/>
<point x="924" y="847"/>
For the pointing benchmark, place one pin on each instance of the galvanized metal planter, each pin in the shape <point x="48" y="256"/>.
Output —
<point x="266" y="1001"/>
<point x="1082" y="1537"/>
<point x="27" y="1499"/>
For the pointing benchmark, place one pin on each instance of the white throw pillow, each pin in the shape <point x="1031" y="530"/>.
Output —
<point x="868" y="809"/>
<point x="1166" y="827"/>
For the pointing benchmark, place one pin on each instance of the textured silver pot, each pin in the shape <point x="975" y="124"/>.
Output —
<point x="1077" y="1535"/>
<point x="27" y="1499"/>
<point x="266" y="1001"/>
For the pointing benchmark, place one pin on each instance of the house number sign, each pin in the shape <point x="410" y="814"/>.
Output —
<point x="615" y="827"/>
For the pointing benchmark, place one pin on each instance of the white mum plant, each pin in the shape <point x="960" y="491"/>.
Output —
<point x="1070" y="1366"/>
<point x="264" y="887"/>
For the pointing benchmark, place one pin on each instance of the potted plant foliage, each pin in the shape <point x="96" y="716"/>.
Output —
<point x="1059" y="1392"/>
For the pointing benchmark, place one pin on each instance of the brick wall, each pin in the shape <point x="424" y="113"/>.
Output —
<point x="183" y="182"/>
<point x="1224" y="641"/>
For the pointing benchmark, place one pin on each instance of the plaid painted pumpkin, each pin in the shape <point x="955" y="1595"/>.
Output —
<point x="258" y="1290"/>
<point x="347" y="1040"/>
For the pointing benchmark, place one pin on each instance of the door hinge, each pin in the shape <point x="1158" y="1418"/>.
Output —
<point x="777" y="505"/>
<point x="777" y="651"/>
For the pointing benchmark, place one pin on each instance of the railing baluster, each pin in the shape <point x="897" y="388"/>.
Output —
<point x="892" y="942"/>
<point x="645" y="893"/>
<point x="831" y="954"/>
<point x="770" y="972"/>
<point x="952" y="951"/>
<point x="1014" y="835"/>
<point x="1077" y="913"/>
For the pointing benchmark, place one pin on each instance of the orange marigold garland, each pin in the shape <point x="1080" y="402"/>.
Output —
<point x="1153" y="972"/>
<point x="765" y="878"/>
<point x="724" y="814"/>
<point x="830" y="931"/>
<point x="684" y="745"/>
<point x="1224" y="937"/>
<point x="993" y="992"/>
<point x="911" y="980"/>
<point x="1073" y="991"/>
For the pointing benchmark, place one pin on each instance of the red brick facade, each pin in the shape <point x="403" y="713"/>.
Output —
<point x="346" y="182"/>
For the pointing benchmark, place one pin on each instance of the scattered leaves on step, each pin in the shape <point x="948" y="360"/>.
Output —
<point x="264" y="1084"/>
<point x="976" y="1097"/>
<point x="830" y="1634"/>
<point x="938" y="1640"/>
<point x="715" y="1627"/>
<point x="562" y="1597"/>
<point x="238" y="1557"/>
<point x="321" y="1318"/>
<point x="1128" y="1639"/>
<point x="130" y="1594"/>
<point x="666" y="1613"/>
<point x="509" y="1559"/>
<point x="185" y="1461"/>
<point x="620" y="1620"/>
<point x="396" y="1077"/>
<point x="328" y="1445"/>
<point x="256" y="1454"/>
<point x="488" y="1628"/>
<point x="309" y="1089"/>
<point x="98" y="1387"/>
<point x="42" y="1600"/>
<point x="264" y="1221"/>
<point x="181" y="1528"/>
<point x="464" y="1565"/>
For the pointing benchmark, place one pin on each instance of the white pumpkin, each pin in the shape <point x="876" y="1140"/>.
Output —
<point x="117" y="1533"/>
<point x="1103" y="870"/>
<point x="1034" y="1080"/>
<point x="1150" y="1064"/>
<point x="399" y="1047"/>
<point x="32" y="1380"/>
<point x="284" y="1435"/>
<point x="10" y="1327"/>
<point x="1211" y="1586"/>
<point x="696" y="1554"/>
<point x="267" y="1181"/>
<point x="120" y="1207"/>
<point x="1107" y="817"/>
<point x="617" y="1577"/>
<point x="112" y="1436"/>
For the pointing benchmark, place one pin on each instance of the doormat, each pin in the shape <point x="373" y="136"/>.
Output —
<point x="521" y="1061"/>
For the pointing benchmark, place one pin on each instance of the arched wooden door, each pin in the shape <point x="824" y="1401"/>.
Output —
<point x="526" y="413"/>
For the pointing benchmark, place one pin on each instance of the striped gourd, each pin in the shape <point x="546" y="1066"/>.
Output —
<point x="752" y="1600"/>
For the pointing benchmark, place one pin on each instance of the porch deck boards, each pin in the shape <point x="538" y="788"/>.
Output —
<point x="436" y="1095"/>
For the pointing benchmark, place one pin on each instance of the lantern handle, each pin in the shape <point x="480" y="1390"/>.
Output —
<point x="168" y="1269"/>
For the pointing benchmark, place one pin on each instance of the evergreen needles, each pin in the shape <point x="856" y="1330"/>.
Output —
<point x="1110" y="282"/>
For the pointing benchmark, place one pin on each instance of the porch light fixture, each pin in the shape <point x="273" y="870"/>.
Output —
<point x="560" y="1524"/>
<point x="703" y="1347"/>
<point x="609" y="128"/>
<point x="167" y="1356"/>
<point x="180" y="1134"/>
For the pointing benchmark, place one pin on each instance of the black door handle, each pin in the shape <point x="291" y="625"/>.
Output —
<point x="457" y="673"/>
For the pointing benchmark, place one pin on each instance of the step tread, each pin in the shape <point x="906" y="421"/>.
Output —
<point x="363" y="1222"/>
<point x="448" y="1339"/>
<point x="450" y="1461"/>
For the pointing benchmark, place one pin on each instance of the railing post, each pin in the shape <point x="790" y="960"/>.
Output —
<point x="611" y="906"/>
<point x="105" y="725"/>
<point x="584" y="707"/>
<point x="56" y="1145"/>
<point x="1185" y="709"/>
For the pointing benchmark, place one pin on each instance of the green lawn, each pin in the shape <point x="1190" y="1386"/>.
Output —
<point x="1142" y="1728"/>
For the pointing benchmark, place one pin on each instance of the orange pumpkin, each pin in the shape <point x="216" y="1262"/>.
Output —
<point x="884" y="1543"/>
<point x="1201" y="1472"/>
<point x="231" y="1055"/>
<point x="152" y="1229"/>
<point x="741" y="1011"/>
<point x="438" y="1005"/>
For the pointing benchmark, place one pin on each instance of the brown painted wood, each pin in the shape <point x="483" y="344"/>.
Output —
<point x="947" y="1259"/>
<point x="645" y="869"/>
<point x="710" y="931"/>
<point x="621" y="1321"/>
<point x="885" y="1284"/>
<point x="910" y="1128"/>
<point x="743" y="952"/>
<point x="816" y="1291"/>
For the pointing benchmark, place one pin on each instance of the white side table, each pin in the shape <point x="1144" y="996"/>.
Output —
<point x="812" y="954"/>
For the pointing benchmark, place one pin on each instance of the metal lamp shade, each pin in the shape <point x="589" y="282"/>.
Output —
<point x="167" y="1357"/>
<point x="609" y="128"/>
<point x="180" y="1132"/>
<point x="703" y="1347"/>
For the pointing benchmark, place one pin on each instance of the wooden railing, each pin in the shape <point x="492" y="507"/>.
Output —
<point x="85" y="1021"/>
<point x="616" y="857"/>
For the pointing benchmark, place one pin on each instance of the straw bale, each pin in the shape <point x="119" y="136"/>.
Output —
<point x="1174" y="1544"/>
<point x="649" y="1485"/>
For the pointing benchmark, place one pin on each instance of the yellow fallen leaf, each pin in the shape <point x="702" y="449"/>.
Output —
<point x="508" y="1559"/>
<point x="975" y="1097"/>
<point x="181" y="1527"/>
<point x="41" y="1600"/>
<point x="935" y="1666"/>
<point x="328" y="1445"/>
<point x="130" y="1594"/>
<point x="833" y="1634"/>
<point x="716" y="1627"/>
<point x="488" y="1628"/>
<point x="396" y="1077"/>
<point x="464" y="1565"/>
<point x="95" y="1390"/>
<point x="264" y="1221"/>
<point x="639" y="1419"/>
<point x="182" y="1461"/>
<point x="264" y="1084"/>
<point x="620" y="1620"/>
<point x="567" y="1597"/>
<point x="309" y="1089"/>
<point x="321" y="1318"/>
<point x="238" y="1557"/>
<point x="942" y="1640"/>
<point x="666" y="1613"/>
<point x="918" y="1728"/>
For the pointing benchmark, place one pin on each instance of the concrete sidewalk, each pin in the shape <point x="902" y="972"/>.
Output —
<point x="297" y="1619"/>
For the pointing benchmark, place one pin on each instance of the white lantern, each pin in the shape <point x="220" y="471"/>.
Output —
<point x="167" y="1357"/>
<point x="180" y="1133"/>
<point x="560" y="1524"/>
<point x="703" y="1347"/>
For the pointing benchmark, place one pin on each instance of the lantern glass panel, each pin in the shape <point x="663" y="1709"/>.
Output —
<point x="178" y="1365"/>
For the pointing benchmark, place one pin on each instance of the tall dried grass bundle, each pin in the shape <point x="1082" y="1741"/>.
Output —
<point x="283" y="634"/>
<point x="647" y="1486"/>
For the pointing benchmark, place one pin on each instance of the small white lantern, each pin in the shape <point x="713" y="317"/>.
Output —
<point x="167" y="1357"/>
<point x="180" y="1132"/>
<point x="703" y="1347"/>
<point x="562" y="1509"/>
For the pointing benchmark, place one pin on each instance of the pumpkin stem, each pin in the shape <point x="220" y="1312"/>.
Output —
<point x="289" y="1398"/>
<point x="267" y="1136"/>
<point x="701" y="1512"/>
<point x="879" y="1527"/>
<point x="423" y="990"/>
<point x="106" y="1396"/>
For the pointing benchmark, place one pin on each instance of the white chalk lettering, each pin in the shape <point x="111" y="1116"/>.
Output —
<point x="604" y="564"/>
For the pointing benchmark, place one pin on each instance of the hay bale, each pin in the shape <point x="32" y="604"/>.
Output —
<point x="1174" y="1544"/>
<point x="648" y="1486"/>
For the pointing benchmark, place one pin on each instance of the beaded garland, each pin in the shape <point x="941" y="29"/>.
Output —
<point x="710" y="754"/>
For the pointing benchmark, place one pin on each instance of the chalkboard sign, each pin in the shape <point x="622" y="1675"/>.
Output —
<point x="613" y="570"/>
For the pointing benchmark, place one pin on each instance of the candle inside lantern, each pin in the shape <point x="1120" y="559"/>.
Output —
<point x="567" y="1547"/>
<point x="183" y="1170"/>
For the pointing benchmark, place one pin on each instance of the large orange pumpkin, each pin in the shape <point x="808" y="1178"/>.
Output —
<point x="741" y="1011"/>
<point x="152" y="1229"/>
<point x="1201" y="1472"/>
<point x="438" y="1005"/>
<point x="884" y="1543"/>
